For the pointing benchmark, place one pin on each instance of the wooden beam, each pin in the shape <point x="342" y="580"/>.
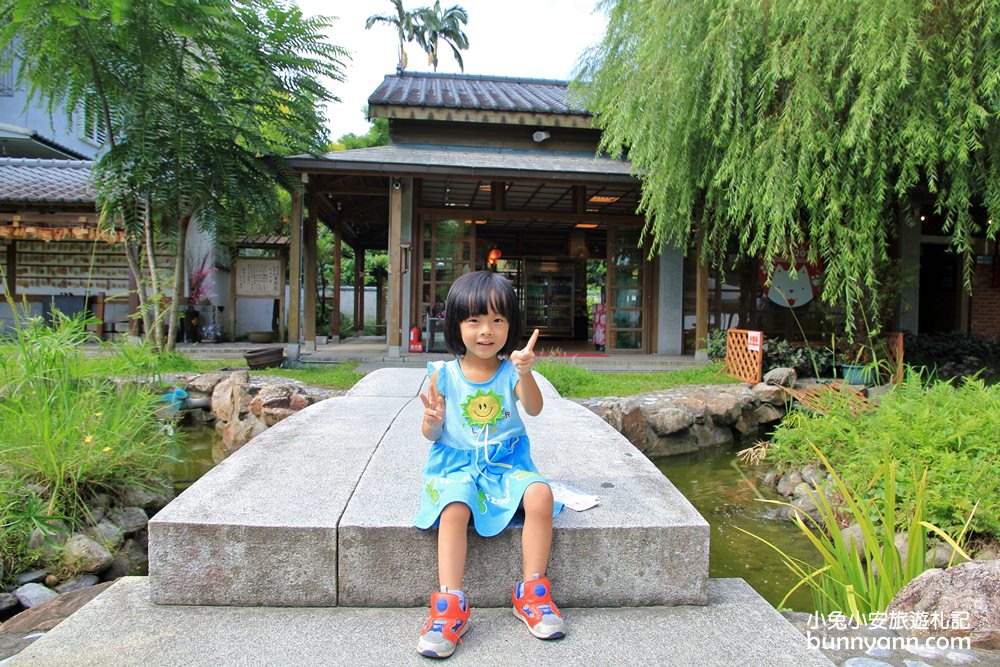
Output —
<point x="309" y="254"/>
<point x="10" y="269"/>
<point x="283" y="256"/>
<point x="359" y="289"/>
<point x="295" y="268"/>
<point x="338" y="251"/>
<point x="464" y="213"/>
<point x="701" y="299"/>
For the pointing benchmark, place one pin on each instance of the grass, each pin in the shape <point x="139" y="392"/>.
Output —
<point x="576" y="382"/>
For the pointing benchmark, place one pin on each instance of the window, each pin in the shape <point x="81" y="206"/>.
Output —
<point x="92" y="126"/>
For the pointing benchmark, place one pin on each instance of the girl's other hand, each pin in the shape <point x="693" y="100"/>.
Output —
<point x="523" y="359"/>
<point x="433" y="407"/>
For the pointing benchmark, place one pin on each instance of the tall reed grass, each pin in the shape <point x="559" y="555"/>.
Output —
<point x="66" y="433"/>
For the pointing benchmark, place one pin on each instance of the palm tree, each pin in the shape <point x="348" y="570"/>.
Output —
<point x="433" y="25"/>
<point x="404" y="22"/>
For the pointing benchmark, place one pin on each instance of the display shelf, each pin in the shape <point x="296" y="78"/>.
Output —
<point x="548" y="296"/>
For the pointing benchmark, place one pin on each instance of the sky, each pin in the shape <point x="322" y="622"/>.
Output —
<point x="540" y="39"/>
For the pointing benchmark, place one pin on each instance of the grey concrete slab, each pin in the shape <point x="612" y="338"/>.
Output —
<point x="403" y="382"/>
<point x="122" y="627"/>
<point x="261" y="527"/>
<point x="644" y="545"/>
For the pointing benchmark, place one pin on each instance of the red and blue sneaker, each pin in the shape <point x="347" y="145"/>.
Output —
<point x="446" y="623"/>
<point x="533" y="605"/>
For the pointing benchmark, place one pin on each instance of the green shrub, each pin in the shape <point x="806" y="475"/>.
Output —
<point x="950" y="430"/>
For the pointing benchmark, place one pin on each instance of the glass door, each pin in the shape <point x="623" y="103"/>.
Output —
<point x="625" y="289"/>
<point x="446" y="254"/>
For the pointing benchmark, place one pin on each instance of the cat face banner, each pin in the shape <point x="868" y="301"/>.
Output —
<point x="788" y="290"/>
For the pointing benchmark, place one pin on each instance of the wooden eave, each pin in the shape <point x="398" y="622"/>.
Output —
<point x="499" y="117"/>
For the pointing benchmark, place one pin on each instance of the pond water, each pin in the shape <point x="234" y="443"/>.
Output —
<point x="718" y="491"/>
<point x="707" y="479"/>
<point x="197" y="450"/>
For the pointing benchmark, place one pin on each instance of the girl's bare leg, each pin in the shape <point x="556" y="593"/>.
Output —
<point x="536" y="537"/>
<point x="453" y="543"/>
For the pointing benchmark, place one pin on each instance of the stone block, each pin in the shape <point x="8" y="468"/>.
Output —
<point x="261" y="527"/>
<point x="643" y="545"/>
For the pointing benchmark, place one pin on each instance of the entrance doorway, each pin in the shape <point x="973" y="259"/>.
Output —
<point x="940" y="290"/>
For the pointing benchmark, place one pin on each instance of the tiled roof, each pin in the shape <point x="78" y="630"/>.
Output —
<point x="34" y="180"/>
<point x="487" y="93"/>
<point x="402" y="158"/>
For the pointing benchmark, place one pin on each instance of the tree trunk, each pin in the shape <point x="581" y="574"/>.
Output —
<point x="153" y="333"/>
<point x="180" y="254"/>
<point x="134" y="267"/>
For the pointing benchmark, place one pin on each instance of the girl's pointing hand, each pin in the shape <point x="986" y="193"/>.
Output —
<point x="523" y="359"/>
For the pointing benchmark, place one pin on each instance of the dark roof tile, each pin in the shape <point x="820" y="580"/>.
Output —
<point x="486" y="93"/>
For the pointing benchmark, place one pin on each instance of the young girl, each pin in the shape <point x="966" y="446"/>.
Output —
<point x="480" y="466"/>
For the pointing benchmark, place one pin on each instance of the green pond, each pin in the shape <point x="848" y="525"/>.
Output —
<point x="707" y="478"/>
<point x="719" y="492"/>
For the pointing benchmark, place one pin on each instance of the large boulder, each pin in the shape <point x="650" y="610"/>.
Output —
<point x="781" y="377"/>
<point x="968" y="595"/>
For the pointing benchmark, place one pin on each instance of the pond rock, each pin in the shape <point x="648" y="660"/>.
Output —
<point x="769" y="393"/>
<point x="30" y="577"/>
<point x="971" y="590"/>
<point x="669" y="420"/>
<point x="45" y="616"/>
<point x="129" y="561"/>
<point x="152" y="501"/>
<point x="782" y="377"/>
<point x="8" y="603"/>
<point x="107" y="533"/>
<point x="76" y="583"/>
<point x="788" y="482"/>
<point x="204" y="383"/>
<point x="30" y="595"/>
<point x="767" y="413"/>
<point x="48" y="543"/>
<point x="129" y="519"/>
<point x="86" y="555"/>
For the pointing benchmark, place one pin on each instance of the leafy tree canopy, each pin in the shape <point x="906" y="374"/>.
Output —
<point x="198" y="99"/>
<point x="377" y="135"/>
<point x="807" y="121"/>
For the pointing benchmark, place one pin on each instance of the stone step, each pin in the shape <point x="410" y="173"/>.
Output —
<point x="643" y="545"/>
<point x="123" y="627"/>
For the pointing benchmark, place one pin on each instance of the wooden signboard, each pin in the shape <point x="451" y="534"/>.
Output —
<point x="258" y="277"/>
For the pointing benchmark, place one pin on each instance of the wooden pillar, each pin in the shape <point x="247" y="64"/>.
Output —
<point x="701" y="302"/>
<point x="234" y="257"/>
<point x="338" y="253"/>
<point x="309" y="254"/>
<point x="283" y="256"/>
<point x="393" y="336"/>
<point x="99" y="314"/>
<point x="295" y="268"/>
<point x="359" y="290"/>
<point x="11" y="270"/>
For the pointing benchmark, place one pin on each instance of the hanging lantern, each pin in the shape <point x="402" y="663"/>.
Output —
<point x="492" y="256"/>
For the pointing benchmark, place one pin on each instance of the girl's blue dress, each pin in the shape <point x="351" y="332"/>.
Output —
<point x="483" y="457"/>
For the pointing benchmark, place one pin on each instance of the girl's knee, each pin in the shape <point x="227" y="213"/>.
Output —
<point x="456" y="513"/>
<point x="538" y="499"/>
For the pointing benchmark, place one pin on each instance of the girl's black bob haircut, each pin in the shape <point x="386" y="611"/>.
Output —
<point x="474" y="294"/>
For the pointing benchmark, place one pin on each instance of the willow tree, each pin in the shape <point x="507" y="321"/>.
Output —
<point x="816" y="122"/>
<point x="198" y="99"/>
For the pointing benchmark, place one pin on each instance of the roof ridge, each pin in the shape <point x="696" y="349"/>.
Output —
<point x="476" y="77"/>
<point x="45" y="162"/>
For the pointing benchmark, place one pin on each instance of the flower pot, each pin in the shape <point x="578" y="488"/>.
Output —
<point x="856" y="374"/>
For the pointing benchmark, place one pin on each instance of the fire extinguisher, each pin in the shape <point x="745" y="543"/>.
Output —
<point x="415" y="344"/>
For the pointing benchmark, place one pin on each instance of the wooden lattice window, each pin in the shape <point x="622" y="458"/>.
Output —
<point x="744" y="354"/>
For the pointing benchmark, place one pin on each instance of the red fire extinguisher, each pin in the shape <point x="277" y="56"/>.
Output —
<point x="415" y="344"/>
